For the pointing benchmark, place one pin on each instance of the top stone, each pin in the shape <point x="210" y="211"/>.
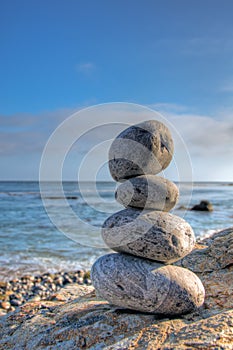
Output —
<point x="141" y="149"/>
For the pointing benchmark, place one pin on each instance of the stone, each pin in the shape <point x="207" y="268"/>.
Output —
<point x="148" y="192"/>
<point x="214" y="253"/>
<point x="35" y="298"/>
<point x="203" y="206"/>
<point x="58" y="297"/>
<point x="3" y="284"/>
<point x="5" y="305"/>
<point x="37" y="288"/>
<point x="88" y="322"/>
<point x="146" y="286"/>
<point x="148" y="234"/>
<point x="16" y="302"/>
<point x="141" y="149"/>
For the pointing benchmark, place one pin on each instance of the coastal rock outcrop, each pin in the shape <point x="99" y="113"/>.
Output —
<point x="203" y="206"/>
<point x="80" y="320"/>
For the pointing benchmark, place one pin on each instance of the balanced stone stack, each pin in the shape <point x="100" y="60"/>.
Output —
<point x="147" y="238"/>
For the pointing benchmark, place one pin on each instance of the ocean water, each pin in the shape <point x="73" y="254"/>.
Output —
<point x="31" y="243"/>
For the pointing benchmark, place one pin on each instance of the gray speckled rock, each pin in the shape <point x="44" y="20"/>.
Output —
<point x="153" y="235"/>
<point x="144" y="148"/>
<point x="139" y="284"/>
<point x="149" y="192"/>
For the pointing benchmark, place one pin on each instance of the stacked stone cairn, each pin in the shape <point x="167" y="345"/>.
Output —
<point x="147" y="238"/>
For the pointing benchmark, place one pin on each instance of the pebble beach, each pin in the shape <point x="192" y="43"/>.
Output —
<point x="16" y="292"/>
<point x="37" y="261"/>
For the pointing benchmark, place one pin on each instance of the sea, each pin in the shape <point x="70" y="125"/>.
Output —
<point x="49" y="232"/>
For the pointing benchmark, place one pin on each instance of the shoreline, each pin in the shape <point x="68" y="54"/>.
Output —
<point x="46" y="286"/>
<point x="75" y="317"/>
<point x="32" y="288"/>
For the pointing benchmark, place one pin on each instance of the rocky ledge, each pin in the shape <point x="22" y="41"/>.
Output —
<point x="76" y="319"/>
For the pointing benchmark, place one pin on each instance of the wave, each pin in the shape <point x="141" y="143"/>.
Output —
<point x="19" y="194"/>
<point x="19" y="265"/>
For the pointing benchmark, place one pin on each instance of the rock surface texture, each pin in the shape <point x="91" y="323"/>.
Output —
<point x="147" y="286"/>
<point x="82" y="321"/>
<point x="132" y="281"/>
<point x="149" y="234"/>
<point x="148" y="192"/>
<point x="145" y="148"/>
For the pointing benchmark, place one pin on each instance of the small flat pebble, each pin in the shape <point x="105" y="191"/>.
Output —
<point x="144" y="148"/>
<point x="149" y="192"/>
<point x="143" y="285"/>
<point x="151" y="234"/>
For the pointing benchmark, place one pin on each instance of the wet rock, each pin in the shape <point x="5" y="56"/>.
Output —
<point x="203" y="206"/>
<point x="142" y="285"/>
<point x="153" y="235"/>
<point x="145" y="148"/>
<point x="148" y="192"/>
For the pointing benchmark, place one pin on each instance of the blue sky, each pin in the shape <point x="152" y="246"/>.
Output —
<point x="58" y="56"/>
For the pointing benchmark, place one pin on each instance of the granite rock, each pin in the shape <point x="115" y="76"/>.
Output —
<point x="84" y="321"/>
<point x="148" y="192"/>
<point x="214" y="253"/>
<point x="147" y="286"/>
<point x="145" y="148"/>
<point x="152" y="234"/>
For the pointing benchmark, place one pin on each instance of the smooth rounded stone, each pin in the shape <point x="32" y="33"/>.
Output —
<point x="148" y="192"/>
<point x="5" y="305"/>
<point x="149" y="234"/>
<point x="146" y="286"/>
<point x="145" y="148"/>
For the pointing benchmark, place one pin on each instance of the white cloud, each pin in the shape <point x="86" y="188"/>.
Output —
<point x="168" y="107"/>
<point x="27" y="132"/>
<point x="209" y="140"/>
